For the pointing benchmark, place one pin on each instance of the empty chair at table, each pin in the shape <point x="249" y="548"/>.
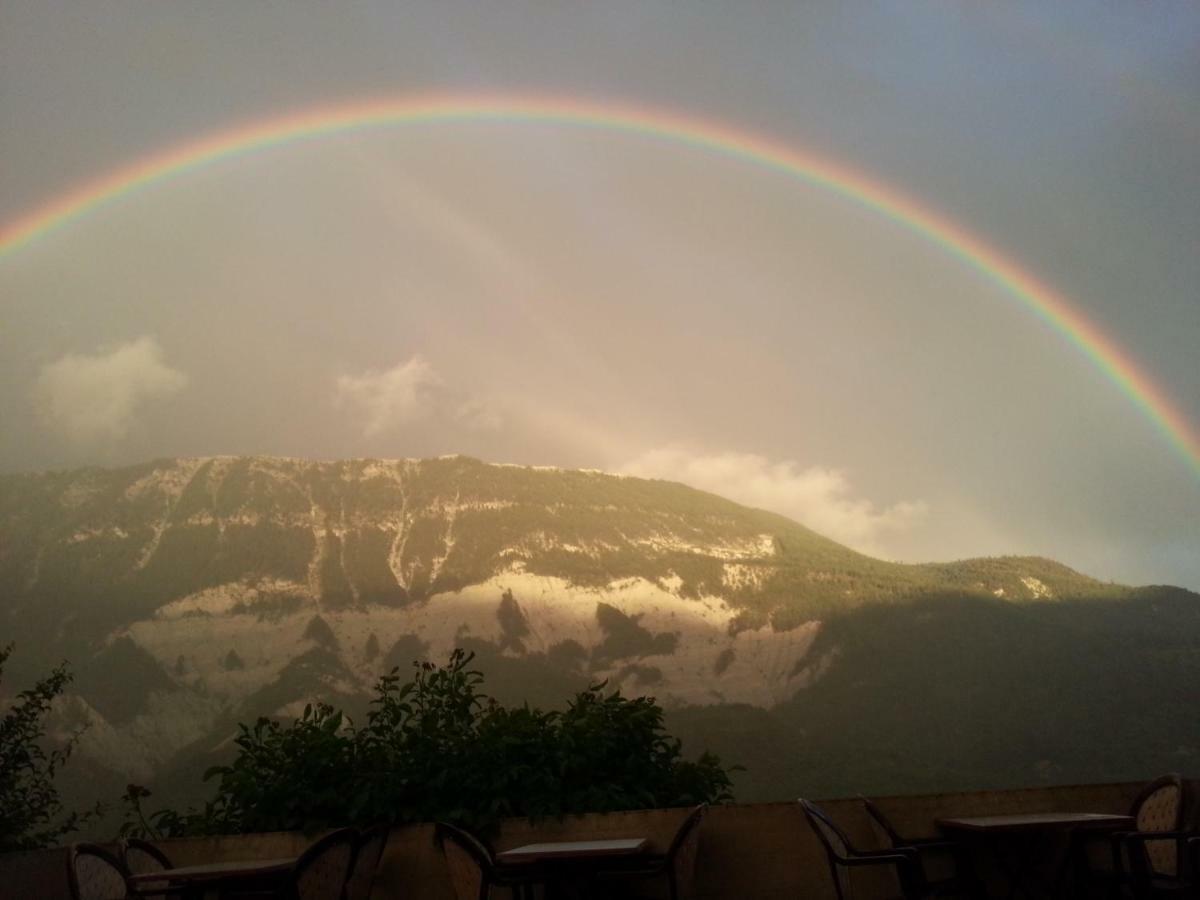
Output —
<point x="473" y="870"/>
<point x="1110" y="860"/>
<point x="676" y="867"/>
<point x="95" y="874"/>
<point x="321" y="872"/>
<point x="945" y="864"/>
<point x="367" y="853"/>
<point x="141" y="858"/>
<point x="843" y="857"/>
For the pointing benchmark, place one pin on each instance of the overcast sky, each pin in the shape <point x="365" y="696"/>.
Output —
<point x="549" y="295"/>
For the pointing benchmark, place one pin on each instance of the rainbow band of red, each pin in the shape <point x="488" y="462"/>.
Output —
<point x="1047" y="304"/>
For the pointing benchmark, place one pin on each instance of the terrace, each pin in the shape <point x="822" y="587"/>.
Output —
<point x="760" y="851"/>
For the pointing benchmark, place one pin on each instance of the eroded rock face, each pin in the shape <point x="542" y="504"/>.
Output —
<point x="219" y="579"/>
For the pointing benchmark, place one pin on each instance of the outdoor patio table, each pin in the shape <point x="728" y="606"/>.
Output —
<point x="1019" y="840"/>
<point x="210" y="879"/>
<point x="567" y="860"/>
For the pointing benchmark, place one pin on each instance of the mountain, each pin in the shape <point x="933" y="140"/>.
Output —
<point x="192" y="594"/>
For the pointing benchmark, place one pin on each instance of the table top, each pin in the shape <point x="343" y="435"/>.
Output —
<point x="565" y="850"/>
<point x="1036" y="821"/>
<point x="210" y="871"/>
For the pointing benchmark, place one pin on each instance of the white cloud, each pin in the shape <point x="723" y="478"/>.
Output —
<point x="817" y="497"/>
<point x="397" y="396"/>
<point x="96" y="398"/>
<point x="410" y="392"/>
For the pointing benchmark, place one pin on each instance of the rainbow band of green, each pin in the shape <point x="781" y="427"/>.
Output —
<point x="713" y="137"/>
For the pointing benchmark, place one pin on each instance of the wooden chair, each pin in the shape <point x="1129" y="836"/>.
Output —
<point x="95" y="874"/>
<point x="367" y="854"/>
<point x="843" y="856"/>
<point x="677" y="866"/>
<point x="935" y="854"/>
<point x="1151" y="855"/>
<point x="473" y="871"/>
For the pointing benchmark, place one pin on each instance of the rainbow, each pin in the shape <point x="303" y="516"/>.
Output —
<point x="706" y="135"/>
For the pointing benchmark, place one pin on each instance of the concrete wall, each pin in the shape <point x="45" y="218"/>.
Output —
<point x="747" y="851"/>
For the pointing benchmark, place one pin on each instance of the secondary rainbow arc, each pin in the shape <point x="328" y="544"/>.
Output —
<point x="1036" y="296"/>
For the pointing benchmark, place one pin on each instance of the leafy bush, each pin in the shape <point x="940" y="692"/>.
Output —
<point x="435" y="747"/>
<point x="31" y="813"/>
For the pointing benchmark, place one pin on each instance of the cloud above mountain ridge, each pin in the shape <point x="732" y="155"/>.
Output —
<point x="96" y="398"/>
<point x="409" y="392"/>
<point x="820" y="498"/>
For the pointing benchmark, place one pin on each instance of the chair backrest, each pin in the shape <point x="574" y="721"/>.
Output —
<point x="883" y="824"/>
<point x="366" y="860"/>
<point x="1161" y="806"/>
<point x="833" y="839"/>
<point x="468" y="860"/>
<point x="321" y="871"/>
<point x="95" y="874"/>
<point x="681" y="855"/>
<point x="142" y="857"/>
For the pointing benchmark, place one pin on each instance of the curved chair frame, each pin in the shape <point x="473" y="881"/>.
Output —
<point x="87" y="849"/>
<point x="161" y="889"/>
<point x="905" y="860"/>
<point x="146" y="847"/>
<point x="314" y="852"/>
<point x="1131" y="846"/>
<point x="964" y="879"/>
<point x="367" y="852"/>
<point x="490" y="873"/>
<point x="653" y="865"/>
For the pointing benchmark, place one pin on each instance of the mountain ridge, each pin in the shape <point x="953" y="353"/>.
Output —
<point x="194" y="592"/>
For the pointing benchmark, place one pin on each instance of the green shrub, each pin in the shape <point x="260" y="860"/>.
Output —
<point x="31" y="813"/>
<point x="436" y="748"/>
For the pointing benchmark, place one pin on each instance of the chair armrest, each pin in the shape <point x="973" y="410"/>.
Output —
<point x="1137" y="841"/>
<point x="1142" y="837"/>
<point x="923" y="844"/>
<point x="907" y="852"/>
<point x="906" y="860"/>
